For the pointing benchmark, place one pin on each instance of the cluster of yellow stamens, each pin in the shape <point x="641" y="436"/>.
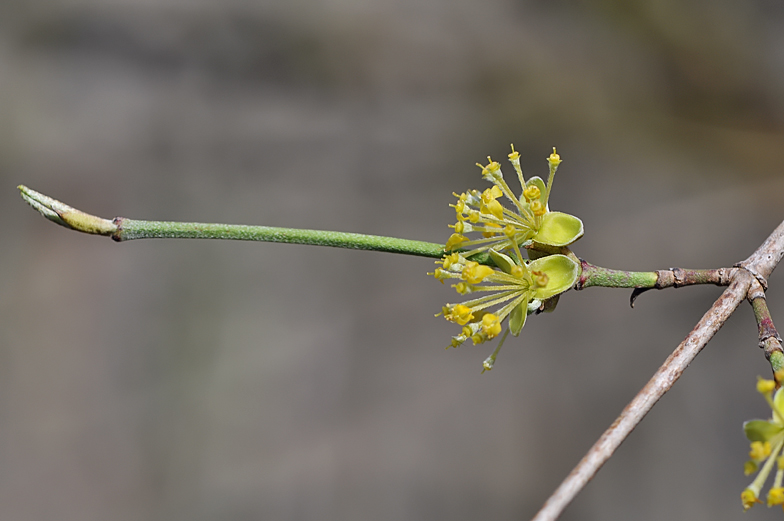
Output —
<point x="510" y="290"/>
<point x="501" y="228"/>
<point x="517" y="286"/>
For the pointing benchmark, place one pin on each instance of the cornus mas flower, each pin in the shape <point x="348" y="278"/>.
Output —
<point x="767" y="440"/>
<point x="515" y="290"/>
<point x="514" y="287"/>
<point x="504" y="229"/>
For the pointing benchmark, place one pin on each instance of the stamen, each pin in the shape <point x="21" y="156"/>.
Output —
<point x="487" y="365"/>
<point x="514" y="157"/>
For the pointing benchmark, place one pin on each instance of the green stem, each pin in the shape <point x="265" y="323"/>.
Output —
<point x="605" y="277"/>
<point x="643" y="281"/>
<point x="123" y="229"/>
<point x="129" y="229"/>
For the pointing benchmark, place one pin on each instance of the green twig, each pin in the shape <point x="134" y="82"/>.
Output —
<point x="129" y="229"/>
<point x="605" y="277"/>
<point x="643" y="281"/>
<point x="123" y="229"/>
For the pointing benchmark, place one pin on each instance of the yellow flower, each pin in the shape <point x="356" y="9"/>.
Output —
<point x="514" y="291"/>
<point x="506" y="230"/>
<point x="759" y="450"/>
<point x="776" y="496"/>
<point x="748" y="498"/>
<point x="515" y="287"/>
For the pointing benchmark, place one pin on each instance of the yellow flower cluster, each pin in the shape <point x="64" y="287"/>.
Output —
<point x="510" y="291"/>
<point x="516" y="287"/>
<point x="504" y="229"/>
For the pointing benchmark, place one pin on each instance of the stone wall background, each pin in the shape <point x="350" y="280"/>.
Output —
<point x="179" y="380"/>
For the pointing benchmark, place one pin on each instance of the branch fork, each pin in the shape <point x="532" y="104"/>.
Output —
<point x="744" y="283"/>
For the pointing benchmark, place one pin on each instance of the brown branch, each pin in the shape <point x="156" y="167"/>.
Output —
<point x="769" y="339"/>
<point x="679" y="277"/>
<point x="754" y="272"/>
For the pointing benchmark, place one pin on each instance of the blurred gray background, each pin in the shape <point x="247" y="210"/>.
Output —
<point x="186" y="380"/>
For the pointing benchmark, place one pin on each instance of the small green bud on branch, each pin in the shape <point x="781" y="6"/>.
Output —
<point x="64" y="215"/>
